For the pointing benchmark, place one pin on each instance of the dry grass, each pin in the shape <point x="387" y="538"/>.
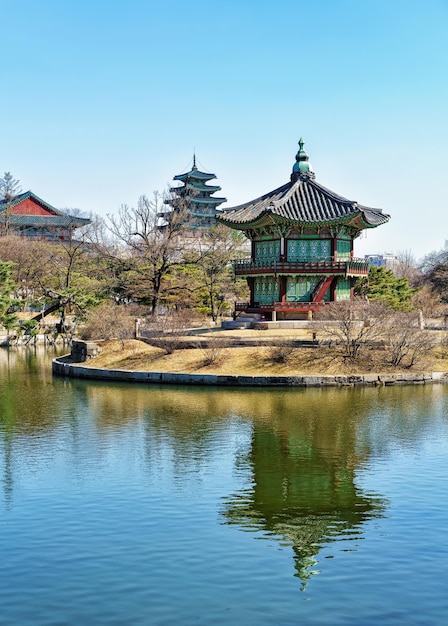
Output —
<point x="251" y="361"/>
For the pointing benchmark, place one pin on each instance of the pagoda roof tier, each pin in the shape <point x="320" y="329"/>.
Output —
<point x="197" y="187"/>
<point x="204" y="200"/>
<point x="194" y="174"/>
<point x="303" y="200"/>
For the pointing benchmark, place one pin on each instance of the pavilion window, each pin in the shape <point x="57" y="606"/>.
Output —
<point x="309" y="250"/>
<point x="266" y="290"/>
<point x="267" y="250"/>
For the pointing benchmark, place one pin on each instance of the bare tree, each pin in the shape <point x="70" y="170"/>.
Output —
<point x="213" y="350"/>
<point x="109" y="321"/>
<point x="280" y="350"/>
<point x="406" y="267"/>
<point x="407" y="343"/>
<point x="212" y="255"/>
<point x="353" y="325"/>
<point x="153" y="238"/>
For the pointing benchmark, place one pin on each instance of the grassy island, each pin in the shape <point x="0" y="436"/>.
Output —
<point x="259" y="353"/>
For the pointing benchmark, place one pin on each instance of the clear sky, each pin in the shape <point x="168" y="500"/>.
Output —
<point x="103" y="100"/>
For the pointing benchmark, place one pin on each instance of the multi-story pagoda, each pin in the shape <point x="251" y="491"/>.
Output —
<point x="302" y="245"/>
<point x="196" y="198"/>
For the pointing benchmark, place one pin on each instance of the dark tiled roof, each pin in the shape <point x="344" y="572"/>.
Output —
<point x="55" y="221"/>
<point x="304" y="200"/>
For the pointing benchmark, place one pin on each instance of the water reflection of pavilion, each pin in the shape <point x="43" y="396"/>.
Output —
<point x="304" y="490"/>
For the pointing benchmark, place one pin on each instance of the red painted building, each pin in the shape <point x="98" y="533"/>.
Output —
<point x="28" y="215"/>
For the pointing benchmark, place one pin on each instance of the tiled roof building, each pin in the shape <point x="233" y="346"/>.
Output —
<point x="28" y="215"/>
<point x="302" y="244"/>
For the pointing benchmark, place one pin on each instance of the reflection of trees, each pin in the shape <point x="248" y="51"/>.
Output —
<point x="299" y="449"/>
<point x="28" y="403"/>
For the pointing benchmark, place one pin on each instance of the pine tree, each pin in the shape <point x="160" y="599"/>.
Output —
<point x="383" y="286"/>
<point x="7" y="288"/>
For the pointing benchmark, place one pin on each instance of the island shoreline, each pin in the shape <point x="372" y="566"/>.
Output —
<point x="63" y="366"/>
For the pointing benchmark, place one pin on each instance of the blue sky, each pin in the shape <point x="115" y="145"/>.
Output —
<point x="104" y="100"/>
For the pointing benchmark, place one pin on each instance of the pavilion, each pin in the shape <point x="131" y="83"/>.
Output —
<point x="302" y="238"/>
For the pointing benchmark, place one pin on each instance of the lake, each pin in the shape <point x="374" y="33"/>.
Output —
<point x="132" y="504"/>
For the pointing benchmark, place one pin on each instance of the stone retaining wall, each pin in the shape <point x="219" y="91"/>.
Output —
<point x="63" y="367"/>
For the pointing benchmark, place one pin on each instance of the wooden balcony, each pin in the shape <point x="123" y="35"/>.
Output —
<point x="330" y="266"/>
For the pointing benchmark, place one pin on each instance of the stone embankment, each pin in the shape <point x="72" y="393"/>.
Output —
<point x="81" y="351"/>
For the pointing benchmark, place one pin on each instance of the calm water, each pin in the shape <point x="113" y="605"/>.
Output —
<point x="131" y="505"/>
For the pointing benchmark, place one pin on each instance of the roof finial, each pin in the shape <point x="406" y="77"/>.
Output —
<point x="302" y="164"/>
<point x="194" y="160"/>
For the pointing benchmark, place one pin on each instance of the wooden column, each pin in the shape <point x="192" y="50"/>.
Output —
<point x="250" y="284"/>
<point x="282" y="291"/>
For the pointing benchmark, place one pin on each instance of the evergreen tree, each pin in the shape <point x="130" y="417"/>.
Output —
<point x="383" y="286"/>
<point x="7" y="288"/>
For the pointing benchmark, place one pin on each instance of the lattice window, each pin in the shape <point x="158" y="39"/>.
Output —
<point x="292" y="250"/>
<point x="266" y="290"/>
<point x="291" y="290"/>
<point x="267" y="250"/>
<point x="303" y="250"/>
<point x="309" y="250"/>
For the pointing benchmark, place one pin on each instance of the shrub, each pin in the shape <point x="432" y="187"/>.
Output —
<point x="213" y="350"/>
<point x="259" y="326"/>
<point x="109" y="321"/>
<point x="280" y="351"/>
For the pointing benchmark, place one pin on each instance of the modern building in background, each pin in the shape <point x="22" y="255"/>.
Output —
<point x="302" y="238"/>
<point x="387" y="260"/>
